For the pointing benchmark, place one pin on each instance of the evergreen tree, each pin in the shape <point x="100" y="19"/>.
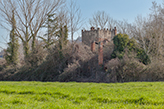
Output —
<point x="63" y="36"/>
<point x="52" y="30"/>
<point x="122" y="42"/>
<point x="13" y="46"/>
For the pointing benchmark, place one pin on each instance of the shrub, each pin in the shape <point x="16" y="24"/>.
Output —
<point x="36" y="57"/>
<point x="122" y="42"/>
<point x="155" y="71"/>
<point x="124" y="70"/>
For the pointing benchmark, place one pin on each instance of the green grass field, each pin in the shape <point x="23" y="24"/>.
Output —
<point x="48" y="95"/>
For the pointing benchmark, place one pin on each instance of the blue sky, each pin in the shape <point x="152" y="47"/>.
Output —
<point x="117" y="9"/>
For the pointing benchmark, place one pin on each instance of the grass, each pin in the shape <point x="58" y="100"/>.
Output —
<point x="48" y="95"/>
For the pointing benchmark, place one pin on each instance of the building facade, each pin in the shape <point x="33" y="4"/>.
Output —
<point x="98" y="35"/>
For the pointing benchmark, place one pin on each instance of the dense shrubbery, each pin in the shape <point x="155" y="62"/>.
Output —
<point x="82" y="65"/>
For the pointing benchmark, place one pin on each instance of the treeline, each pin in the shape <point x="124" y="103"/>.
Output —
<point x="42" y="28"/>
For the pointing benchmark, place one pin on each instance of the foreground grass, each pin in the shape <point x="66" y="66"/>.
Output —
<point x="38" y="95"/>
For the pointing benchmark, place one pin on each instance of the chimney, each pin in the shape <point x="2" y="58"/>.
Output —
<point x="92" y="28"/>
<point x="100" y="53"/>
<point x="93" y="46"/>
<point x="115" y="31"/>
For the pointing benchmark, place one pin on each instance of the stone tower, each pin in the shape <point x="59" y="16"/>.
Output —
<point x="96" y="35"/>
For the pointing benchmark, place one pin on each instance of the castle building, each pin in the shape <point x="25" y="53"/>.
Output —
<point x="98" y="35"/>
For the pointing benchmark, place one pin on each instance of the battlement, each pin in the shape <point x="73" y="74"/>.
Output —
<point x="95" y="34"/>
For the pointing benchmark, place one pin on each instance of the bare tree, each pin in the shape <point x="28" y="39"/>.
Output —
<point x="139" y="33"/>
<point x="99" y="19"/>
<point x="30" y="16"/>
<point x="103" y="20"/>
<point x="75" y="19"/>
<point x="149" y="31"/>
<point x="111" y="23"/>
<point x="123" y="26"/>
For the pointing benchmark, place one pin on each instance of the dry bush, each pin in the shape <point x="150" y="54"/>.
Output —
<point x="132" y="70"/>
<point x="63" y="65"/>
<point x="70" y="73"/>
<point x="124" y="70"/>
<point x="155" y="71"/>
<point x="37" y="56"/>
<point x="79" y="64"/>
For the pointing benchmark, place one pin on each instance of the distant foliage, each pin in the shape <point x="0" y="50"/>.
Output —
<point x="122" y="42"/>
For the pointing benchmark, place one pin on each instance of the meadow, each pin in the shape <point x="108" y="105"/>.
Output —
<point x="72" y="95"/>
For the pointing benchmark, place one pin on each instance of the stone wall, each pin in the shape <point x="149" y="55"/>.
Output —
<point x="89" y="36"/>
